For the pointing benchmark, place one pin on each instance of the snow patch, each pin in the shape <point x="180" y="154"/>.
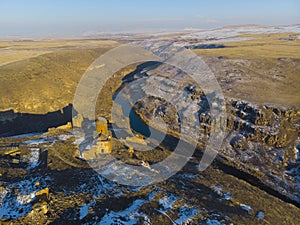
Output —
<point x="25" y="199"/>
<point x="14" y="206"/>
<point x="167" y="201"/>
<point x="186" y="215"/>
<point x="246" y="207"/>
<point x="84" y="211"/>
<point x="3" y="192"/>
<point x="213" y="222"/>
<point x="64" y="137"/>
<point x="260" y="215"/>
<point x="129" y="216"/>
<point x="34" y="157"/>
<point x="227" y="196"/>
<point x="217" y="189"/>
<point x="39" y="141"/>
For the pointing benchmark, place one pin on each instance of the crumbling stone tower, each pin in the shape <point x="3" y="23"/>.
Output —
<point x="102" y="143"/>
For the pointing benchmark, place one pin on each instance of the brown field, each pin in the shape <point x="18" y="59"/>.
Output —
<point x="263" y="70"/>
<point x="261" y="47"/>
<point x="12" y="51"/>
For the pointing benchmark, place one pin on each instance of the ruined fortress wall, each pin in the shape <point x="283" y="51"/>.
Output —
<point x="14" y="123"/>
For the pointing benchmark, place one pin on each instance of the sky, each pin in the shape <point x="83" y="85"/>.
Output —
<point x="81" y="17"/>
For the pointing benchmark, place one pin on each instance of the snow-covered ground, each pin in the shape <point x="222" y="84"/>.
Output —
<point x="230" y="32"/>
<point x="217" y="35"/>
<point x="129" y="216"/>
<point x="16" y="204"/>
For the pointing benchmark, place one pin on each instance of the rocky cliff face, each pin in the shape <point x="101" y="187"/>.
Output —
<point x="262" y="140"/>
